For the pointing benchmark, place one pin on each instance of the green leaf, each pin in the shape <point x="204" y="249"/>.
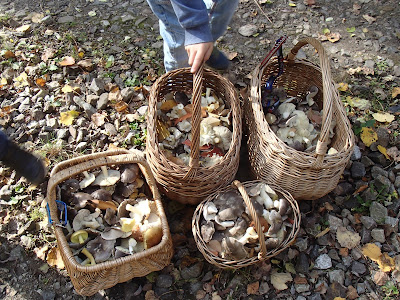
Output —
<point x="13" y="201"/>
<point x="326" y="31"/>
<point x="351" y="29"/>
<point x="110" y="61"/>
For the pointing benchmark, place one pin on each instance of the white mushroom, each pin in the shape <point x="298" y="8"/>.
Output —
<point x="89" y="178"/>
<point x="209" y="211"/>
<point x="250" y="234"/>
<point x="311" y="94"/>
<point x="107" y="177"/>
<point x="224" y="224"/>
<point x="139" y="211"/>
<point x="84" y="219"/>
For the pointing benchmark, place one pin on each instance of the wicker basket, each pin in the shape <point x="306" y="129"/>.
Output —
<point x="307" y="176"/>
<point x="87" y="280"/>
<point x="263" y="254"/>
<point x="191" y="184"/>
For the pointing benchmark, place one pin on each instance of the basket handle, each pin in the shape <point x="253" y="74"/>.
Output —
<point x="196" y="119"/>
<point x="239" y="186"/>
<point x="328" y="93"/>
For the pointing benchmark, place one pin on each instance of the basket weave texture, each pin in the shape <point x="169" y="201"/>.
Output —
<point x="88" y="280"/>
<point x="306" y="175"/>
<point x="263" y="254"/>
<point x="191" y="184"/>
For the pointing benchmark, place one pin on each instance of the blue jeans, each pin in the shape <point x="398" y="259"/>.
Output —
<point x="3" y="144"/>
<point x="175" y="55"/>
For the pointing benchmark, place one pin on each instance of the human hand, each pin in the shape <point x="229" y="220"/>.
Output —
<point x="198" y="54"/>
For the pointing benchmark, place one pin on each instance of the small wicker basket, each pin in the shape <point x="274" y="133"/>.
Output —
<point x="191" y="184"/>
<point x="307" y="176"/>
<point x="263" y="254"/>
<point x="88" y="280"/>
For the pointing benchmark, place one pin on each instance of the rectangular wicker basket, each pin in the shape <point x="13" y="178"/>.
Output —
<point x="88" y="280"/>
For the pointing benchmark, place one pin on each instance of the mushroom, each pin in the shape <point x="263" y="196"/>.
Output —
<point x="215" y="247"/>
<point x="130" y="246"/>
<point x="130" y="173"/>
<point x="271" y="243"/>
<point x="228" y="214"/>
<point x="102" y="194"/>
<point x="258" y="207"/>
<point x="89" y="178"/>
<point x="229" y="199"/>
<point x="126" y="190"/>
<point x="80" y="199"/>
<point x="79" y="237"/>
<point x="239" y="228"/>
<point x="231" y="248"/>
<point x="275" y="220"/>
<point x="249" y="236"/>
<point x="107" y="177"/>
<point x="223" y="224"/>
<point x="139" y="211"/>
<point x="209" y="211"/>
<point x="100" y="248"/>
<point x="207" y="231"/>
<point x="122" y="211"/>
<point x="111" y="233"/>
<point x="127" y="224"/>
<point x="283" y="206"/>
<point x="152" y="237"/>
<point x="85" y="219"/>
<point x="153" y="220"/>
<point x="89" y="257"/>
<point x="69" y="187"/>
<point x="110" y="216"/>
<point x="311" y="94"/>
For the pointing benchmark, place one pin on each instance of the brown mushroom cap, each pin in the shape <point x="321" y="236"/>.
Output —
<point x="232" y="249"/>
<point x="102" y="194"/>
<point x="80" y="199"/>
<point x="100" y="248"/>
<point x="152" y="237"/>
<point x="130" y="173"/>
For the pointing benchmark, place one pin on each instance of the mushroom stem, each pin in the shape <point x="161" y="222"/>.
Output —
<point x="86" y="174"/>
<point x="88" y="255"/>
<point x="104" y="170"/>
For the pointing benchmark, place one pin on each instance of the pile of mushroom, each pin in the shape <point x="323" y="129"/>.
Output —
<point x="228" y="229"/>
<point x="174" y="126"/>
<point x="109" y="214"/>
<point x="297" y="122"/>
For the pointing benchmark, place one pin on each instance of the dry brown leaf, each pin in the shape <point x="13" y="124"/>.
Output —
<point x="395" y="92"/>
<point x="121" y="106"/>
<point x="380" y="278"/>
<point x="383" y="150"/>
<point x="360" y="189"/>
<point x="356" y="8"/>
<point x="383" y="117"/>
<point x="369" y="19"/>
<point x="48" y="53"/>
<point x="41" y="252"/>
<point x="40" y="81"/>
<point x="394" y="153"/>
<point x="372" y="251"/>
<point x="279" y="280"/>
<point x="347" y="238"/>
<point x="86" y="64"/>
<point x="98" y="119"/>
<point x="252" y="288"/>
<point x="333" y="37"/>
<point x="231" y="55"/>
<point x="8" y="54"/>
<point x="54" y="258"/>
<point x="67" y="61"/>
<point x="309" y="2"/>
<point x="385" y="262"/>
<point x="115" y="95"/>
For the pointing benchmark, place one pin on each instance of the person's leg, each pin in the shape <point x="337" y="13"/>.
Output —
<point x="175" y="55"/>
<point x="23" y="162"/>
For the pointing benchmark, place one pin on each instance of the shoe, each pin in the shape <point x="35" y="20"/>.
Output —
<point x="218" y="60"/>
<point x="24" y="163"/>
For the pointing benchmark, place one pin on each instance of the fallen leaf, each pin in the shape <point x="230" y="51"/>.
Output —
<point x="8" y="54"/>
<point x="115" y="95"/>
<point x="121" y="106"/>
<point x="346" y="238"/>
<point x="98" y="119"/>
<point x="231" y="55"/>
<point x="386" y="263"/>
<point x="309" y="2"/>
<point x="339" y="298"/>
<point x="380" y="278"/>
<point x="360" y="189"/>
<point x="395" y="92"/>
<point x="21" y="80"/>
<point x="362" y="104"/>
<point x="86" y="64"/>
<point x="383" y="151"/>
<point x="40" y="81"/>
<point x="363" y="70"/>
<point x="67" y="89"/>
<point x="67" y="61"/>
<point x="252" y="288"/>
<point x="54" y="258"/>
<point x="333" y="37"/>
<point x="23" y="28"/>
<point x="343" y="86"/>
<point x="369" y="19"/>
<point x="350" y="29"/>
<point x="368" y="136"/>
<point x="279" y="280"/>
<point x="394" y="153"/>
<point x="383" y="117"/>
<point x="92" y="13"/>
<point x="314" y="116"/>
<point x="41" y="252"/>
<point x="373" y="252"/>
<point x="292" y="4"/>
<point x="48" y="53"/>
<point x="68" y="117"/>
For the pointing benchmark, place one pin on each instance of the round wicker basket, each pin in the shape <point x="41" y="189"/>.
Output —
<point x="263" y="254"/>
<point x="306" y="175"/>
<point x="191" y="184"/>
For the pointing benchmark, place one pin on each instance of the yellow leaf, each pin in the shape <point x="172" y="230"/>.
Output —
<point x="81" y="54"/>
<point x="54" y="258"/>
<point x="383" y="151"/>
<point x="292" y="4"/>
<point x="368" y="136"/>
<point x="358" y="102"/>
<point x="23" y="28"/>
<point x="383" y="117"/>
<point x="372" y="251"/>
<point x="386" y="263"/>
<point x="68" y="117"/>
<point x="21" y="80"/>
<point x="395" y="92"/>
<point x="3" y="81"/>
<point x="343" y="87"/>
<point x="67" y="89"/>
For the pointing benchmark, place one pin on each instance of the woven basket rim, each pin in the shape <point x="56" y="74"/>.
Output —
<point x="225" y="263"/>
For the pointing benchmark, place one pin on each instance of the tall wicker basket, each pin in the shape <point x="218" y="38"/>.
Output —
<point x="190" y="184"/>
<point x="306" y="176"/>
<point x="88" y="280"/>
<point x="264" y="254"/>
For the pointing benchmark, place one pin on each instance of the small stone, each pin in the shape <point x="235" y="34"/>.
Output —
<point x="92" y="99"/>
<point x="356" y="155"/>
<point x="383" y="136"/>
<point x="97" y="86"/>
<point x="103" y="101"/>
<point x="248" y="30"/>
<point x="142" y="110"/>
<point x="378" y="212"/>
<point x="302" y="263"/>
<point x="334" y="222"/>
<point x="378" y="235"/>
<point x="382" y="184"/>
<point x="351" y="293"/>
<point x="358" y="170"/>
<point x="81" y="147"/>
<point x="343" y="189"/>
<point x="192" y="271"/>
<point x="323" y="262"/>
<point x="368" y="222"/>
<point x="367" y="162"/>
<point x="334" y="254"/>
<point x="66" y="19"/>
<point x="336" y="276"/>
<point x="358" y="268"/>
<point x="264" y="288"/>
<point x="164" y="281"/>
<point x="301" y="288"/>
<point x="302" y="244"/>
